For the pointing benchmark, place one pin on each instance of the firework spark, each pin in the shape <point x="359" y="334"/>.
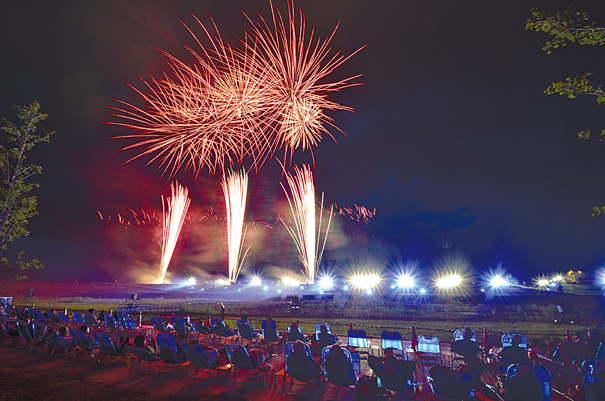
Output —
<point x="235" y="103"/>
<point x="302" y="205"/>
<point x="175" y="210"/>
<point x="235" y="187"/>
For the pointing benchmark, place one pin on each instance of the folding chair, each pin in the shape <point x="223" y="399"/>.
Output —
<point x="391" y="339"/>
<point x="169" y="351"/>
<point x="242" y="363"/>
<point x="357" y="339"/>
<point x="526" y="382"/>
<point x="130" y="323"/>
<point x="317" y="330"/>
<point x="246" y="332"/>
<point x="53" y="316"/>
<point x="220" y="331"/>
<point x="593" y="372"/>
<point x="158" y="325"/>
<point x="199" y="360"/>
<point x="90" y="321"/>
<point x="341" y="380"/>
<point x="83" y="344"/>
<point x="64" y="319"/>
<point x="269" y="332"/>
<point x="459" y="335"/>
<point x="39" y="316"/>
<point x="110" y="321"/>
<point x="458" y="360"/>
<point x="309" y="379"/>
<point x="107" y="347"/>
<point x="429" y="350"/>
<point x="299" y="335"/>
<point x="24" y="335"/>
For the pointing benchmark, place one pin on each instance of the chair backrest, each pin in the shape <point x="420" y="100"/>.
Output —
<point x="358" y="339"/>
<point x="63" y="317"/>
<point x="38" y="330"/>
<point x="593" y="372"/>
<point x="317" y="329"/>
<point x="429" y="344"/>
<point x="24" y="330"/>
<point x="81" y="340"/>
<point x="39" y="315"/>
<point x="88" y="319"/>
<point x="77" y="317"/>
<point x="526" y="382"/>
<point x="158" y="325"/>
<point x="219" y="327"/>
<point x="110" y="321"/>
<point x="238" y="355"/>
<point x="30" y="313"/>
<point x="244" y="330"/>
<point x="105" y="346"/>
<point x="459" y="335"/>
<point x="289" y="350"/>
<point x="197" y="356"/>
<point x="507" y="340"/>
<point x="130" y="323"/>
<point x="270" y="331"/>
<point x="180" y="330"/>
<point x="336" y="377"/>
<point x="53" y="316"/>
<point x="391" y="339"/>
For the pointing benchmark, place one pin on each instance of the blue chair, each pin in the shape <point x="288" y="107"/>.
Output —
<point x="429" y="350"/>
<point x="199" y="360"/>
<point x="242" y="363"/>
<point x="130" y="323"/>
<point x="341" y="380"/>
<point x="169" y="352"/>
<point x="299" y="335"/>
<point x="269" y="332"/>
<point x="246" y="331"/>
<point x="593" y="372"/>
<point x="64" y="318"/>
<point x="107" y="347"/>
<point x="304" y="380"/>
<point x="143" y="355"/>
<point x="77" y="317"/>
<point x="83" y="344"/>
<point x="317" y="330"/>
<point x="526" y="382"/>
<point x="53" y="316"/>
<point x="110" y="321"/>
<point x="158" y="325"/>
<point x="391" y="339"/>
<point x="38" y="315"/>
<point x="601" y="352"/>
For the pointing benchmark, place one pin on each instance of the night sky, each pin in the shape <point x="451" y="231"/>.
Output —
<point x="452" y="140"/>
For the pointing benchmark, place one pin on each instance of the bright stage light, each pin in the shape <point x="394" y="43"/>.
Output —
<point x="449" y="281"/>
<point x="191" y="281"/>
<point x="365" y="281"/>
<point x="423" y="291"/>
<point x="406" y="281"/>
<point x="326" y="282"/>
<point x="558" y="278"/>
<point x="279" y="291"/>
<point x="346" y="288"/>
<point x="266" y="288"/>
<point x="498" y="281"/>
<point x="256" y="281"/>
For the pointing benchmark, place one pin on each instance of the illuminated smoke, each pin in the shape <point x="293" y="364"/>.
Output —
<point x="302" y="205"/>
<point x="235" y="187"/>
<point x="175" y="211"/>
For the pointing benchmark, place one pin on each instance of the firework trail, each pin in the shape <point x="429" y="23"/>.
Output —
<point x="302" y="205"/>
<point x="235" y="187"/>
<point x="231" y="103"/>
<point x="175" y="210"/>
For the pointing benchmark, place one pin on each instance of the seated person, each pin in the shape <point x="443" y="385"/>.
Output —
<point x="514" y="353"/>
<point x="573" y="351"/>
<point x="222" y="330"/>
<point x="394" y="374"/>
<point x="257" y="358"/>
<point x="271" y="334"/>
<point x="139" y="341"/>
<point x="151" y="345"/>
<point x="295" y="335"/>
<point x="301" y="367"/>
<point x="339" y="368"/>
<point x="325" y="338"/>
<point x="211" y="352"/>
<point x="454" y="383"/>
<point x="124" y="341"/>
<point x="246" y="329"/>
<point x="526" y="387"/>
<point x="466" y="347"/>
